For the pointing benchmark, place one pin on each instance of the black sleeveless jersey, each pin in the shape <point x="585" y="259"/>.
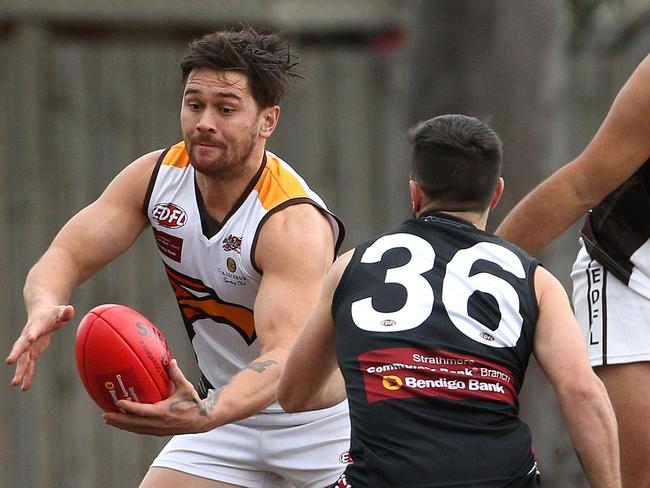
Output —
<point x="617" y="230"/>
<point x="434" y="329"/>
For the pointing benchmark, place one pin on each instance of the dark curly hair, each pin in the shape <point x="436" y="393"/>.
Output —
<point x="266" y="58"/>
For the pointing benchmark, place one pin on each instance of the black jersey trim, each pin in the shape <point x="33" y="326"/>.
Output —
<point x="282" y="206"/>
<point x="604" y="305"/>
<point x="211" y="226"/>
<point x="437" y="217"/>
<point x="152" y="183"/>
<point x="532" y="270"/>
<point x="344" y="281"/>
<point x="596" y="252"/>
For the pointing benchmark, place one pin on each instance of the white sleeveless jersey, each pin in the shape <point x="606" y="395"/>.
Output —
<point x="211" y="267"/>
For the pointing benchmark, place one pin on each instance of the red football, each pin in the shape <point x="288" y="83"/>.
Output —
<point x="121" y="355"/>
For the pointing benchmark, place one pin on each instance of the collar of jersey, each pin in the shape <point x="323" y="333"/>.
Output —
<point x="445" y="218"/>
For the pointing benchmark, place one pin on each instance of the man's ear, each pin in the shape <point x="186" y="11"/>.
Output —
<point x="497" y="193"/>
<point x="416" y="197"/>
<point x="270" y="117"/>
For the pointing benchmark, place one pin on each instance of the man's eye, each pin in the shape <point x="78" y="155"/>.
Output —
<point x="194" y="105"/>
<point x="227" y="110"/>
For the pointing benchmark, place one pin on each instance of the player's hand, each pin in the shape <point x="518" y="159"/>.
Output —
<point x="182" y="413"/>
<point x="34" y="339"/>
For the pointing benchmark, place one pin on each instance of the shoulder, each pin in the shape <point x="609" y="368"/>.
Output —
<point x="134" y="178"/>
<point x="341" y="264"/>
<point x="300" y="231"/>
<point x="144" y="165"/>
<point x="299" y="221"/>
<point x="643" y="70"/>
<point x="546" y="285"/>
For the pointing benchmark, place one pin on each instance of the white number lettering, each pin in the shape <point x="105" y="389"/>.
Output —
<point x="419" y="295"/>
<point x="458" y="286"/>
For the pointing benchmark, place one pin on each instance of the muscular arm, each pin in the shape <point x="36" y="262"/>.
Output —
<point x="562" y="355"/>
<point x="294" y="250"/>
<point x="87" y="242"/>
<point x="619" y="148"/>
<point x="311" y="378"/>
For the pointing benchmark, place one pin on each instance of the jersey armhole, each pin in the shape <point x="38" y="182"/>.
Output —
<point x="334" y="220"/>
<point x="339" y="291"/>
<point x="533" y="291"/>
<point x="152" y="182"/>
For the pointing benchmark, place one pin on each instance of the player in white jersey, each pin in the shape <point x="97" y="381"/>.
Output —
<point x="246" y="245"/>
<point x="610" y="182"/>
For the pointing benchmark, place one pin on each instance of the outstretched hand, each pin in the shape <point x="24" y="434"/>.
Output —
<point x="34" y="339"/>
<point x="182" y="413"/>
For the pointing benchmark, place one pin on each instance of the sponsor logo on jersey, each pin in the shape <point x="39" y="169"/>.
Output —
<point x="229" y="275"/>
<point x="395" y="373"/>
<point x="171" y="246"/>
<point x="486" y="336"/>
<point x="169" y="215"/>
<point x="232" y="243"/>
<point x="392" y="382"/>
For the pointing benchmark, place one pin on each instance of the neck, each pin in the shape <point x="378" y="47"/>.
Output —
<point x="220" y="193"/>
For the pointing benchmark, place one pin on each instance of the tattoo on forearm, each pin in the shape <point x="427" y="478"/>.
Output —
<point x="260" y="366"/>
<point x="205" y="406"/>
<point x="175" y="405"/>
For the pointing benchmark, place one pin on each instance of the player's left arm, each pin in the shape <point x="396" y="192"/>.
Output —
<point x="311" y="378"/>
<point x="619" y="148"/>
<point x="561" y="352"/>
<point x="295" y="248"/>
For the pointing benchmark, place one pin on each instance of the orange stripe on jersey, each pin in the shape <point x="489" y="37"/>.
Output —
<point x="277" y="185"/>
<point x="198" y="301"/>
<point x="177" y="156"/>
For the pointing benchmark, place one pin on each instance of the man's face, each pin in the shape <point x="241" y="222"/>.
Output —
<point x="221" y="121"/>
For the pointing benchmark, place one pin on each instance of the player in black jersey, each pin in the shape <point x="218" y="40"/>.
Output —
<point x="433" y="324"/>
<point x="609" y="182"/>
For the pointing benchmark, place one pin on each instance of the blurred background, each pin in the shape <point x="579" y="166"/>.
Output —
<point x="89" y="85"/>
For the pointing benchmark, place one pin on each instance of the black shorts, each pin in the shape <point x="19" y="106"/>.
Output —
<point x="532" y="481"/>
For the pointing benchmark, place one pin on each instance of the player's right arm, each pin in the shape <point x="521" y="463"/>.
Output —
<point x="87" y="242"/>
<point x="561" y="352"/>
<point x="619" y="148"/>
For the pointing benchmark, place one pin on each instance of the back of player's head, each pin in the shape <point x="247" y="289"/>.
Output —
<point x="266" y="58"/>
<point x="456" y="162"/>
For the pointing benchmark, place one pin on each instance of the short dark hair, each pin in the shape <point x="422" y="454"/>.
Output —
<point x="266" y="58"/>
<point x="456" y="161"/>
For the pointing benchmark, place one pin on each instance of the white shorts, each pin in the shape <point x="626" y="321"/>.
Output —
<point x="615" y="319"/>
<point x="269" y="450"/>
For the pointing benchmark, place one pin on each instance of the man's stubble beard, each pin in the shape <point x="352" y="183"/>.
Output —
<point x="230" y="165"/>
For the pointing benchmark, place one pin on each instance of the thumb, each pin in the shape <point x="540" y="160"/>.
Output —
<point x="65" y="313"/>
<point x="175" y="374"/>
